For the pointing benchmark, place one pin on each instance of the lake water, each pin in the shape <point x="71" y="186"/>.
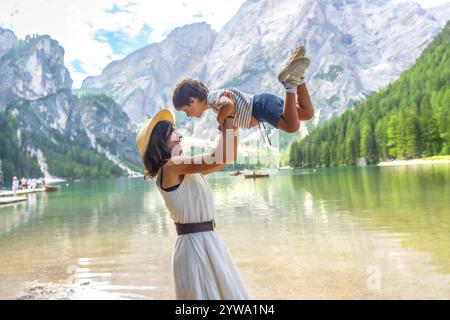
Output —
<point x="345" y="233"/>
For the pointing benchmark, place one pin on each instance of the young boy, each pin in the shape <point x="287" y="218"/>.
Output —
<point x="193" y="97"/>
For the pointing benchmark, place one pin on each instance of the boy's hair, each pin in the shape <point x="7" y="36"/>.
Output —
<point x="186" y="89"/>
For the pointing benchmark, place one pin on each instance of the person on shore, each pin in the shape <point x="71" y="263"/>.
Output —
<point x="202" y="266"/>
<point x="33" y="184"/>
<point x="23" y="183"/>
<point x="15" y="185"/>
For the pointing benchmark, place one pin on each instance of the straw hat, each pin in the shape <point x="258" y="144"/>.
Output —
<point x="144" y="134"/>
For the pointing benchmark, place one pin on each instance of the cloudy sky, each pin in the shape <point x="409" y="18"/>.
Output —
<point x="95" y="32"/>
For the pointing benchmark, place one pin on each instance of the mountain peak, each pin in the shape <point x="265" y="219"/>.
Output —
<point x="155" y="69"/>
<point x="7" y="41"/>
<point x="441" y="13"/>
<point x="32" y="68"/>
<point x="192" y="27"/>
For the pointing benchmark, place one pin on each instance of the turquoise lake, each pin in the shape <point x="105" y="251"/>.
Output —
<point x="339" y="233"/>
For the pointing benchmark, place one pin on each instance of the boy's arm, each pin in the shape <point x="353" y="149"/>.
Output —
<point x="226" y="108"/>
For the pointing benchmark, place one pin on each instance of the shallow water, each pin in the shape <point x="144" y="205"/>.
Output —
<point x="347" y="233"/>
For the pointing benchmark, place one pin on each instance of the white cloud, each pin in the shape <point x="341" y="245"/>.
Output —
<point x="75" y="24"/>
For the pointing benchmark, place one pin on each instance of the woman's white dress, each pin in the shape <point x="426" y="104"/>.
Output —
<point x="202" y="265"/>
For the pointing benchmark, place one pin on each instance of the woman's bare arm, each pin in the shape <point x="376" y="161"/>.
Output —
<point x="235" y="152"/>
<point x="224" y="154"/>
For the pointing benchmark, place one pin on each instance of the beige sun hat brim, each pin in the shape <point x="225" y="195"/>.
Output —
<point x="145" y="132"/>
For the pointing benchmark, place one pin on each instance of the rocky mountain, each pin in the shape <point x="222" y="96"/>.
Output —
<point x="7" y="40"/>
<point x="109" y="130"/>
<point x="31" y="69"/>
<point x="142" y="82"/>
<point x="355" y="47"/>
<point x="441" y="13"/>
<point x="52" y="125"/>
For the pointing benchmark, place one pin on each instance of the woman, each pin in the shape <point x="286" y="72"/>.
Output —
<point x="15" y="185"/>
<point x="202" y="266"/>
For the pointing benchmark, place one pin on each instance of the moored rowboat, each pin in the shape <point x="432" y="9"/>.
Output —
<point x="52" y="188"/>
<point x="256" y="175"/>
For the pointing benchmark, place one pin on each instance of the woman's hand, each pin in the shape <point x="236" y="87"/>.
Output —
<point x="228" y="123"/>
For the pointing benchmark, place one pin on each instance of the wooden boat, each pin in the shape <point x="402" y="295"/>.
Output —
<point x="256" y="174"/>
<point x="235" y="173"/>
<point x="6" y="200"/>
<point x="52" y="188"/>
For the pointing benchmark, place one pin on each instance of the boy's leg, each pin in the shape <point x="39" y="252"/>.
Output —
<point x="289" y="121"/>
<point x="305" y="108"/>
<point x="291" y="76"/>
<point x="253" y="122"/>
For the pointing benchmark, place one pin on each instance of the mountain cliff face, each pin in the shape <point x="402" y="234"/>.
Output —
<point x="31" y="69"/>
<point x="355" y="48"/>
<point x="142" y="82"/>
<point x="50" y="124"/>
<point x="109" y="130"/>
<point x="441" y="13"/>
<point x="7" y="40"/>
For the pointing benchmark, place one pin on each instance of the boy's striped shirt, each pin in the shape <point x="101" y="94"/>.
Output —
<point x="244" y="103"/>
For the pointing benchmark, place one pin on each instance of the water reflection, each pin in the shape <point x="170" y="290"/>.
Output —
<point x="406" y="200"/>
<point x="353" y="219"/>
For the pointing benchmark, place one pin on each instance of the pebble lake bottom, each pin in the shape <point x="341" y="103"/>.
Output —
<point x="340" y="233"/>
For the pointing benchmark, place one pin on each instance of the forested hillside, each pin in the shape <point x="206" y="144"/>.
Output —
<point x="409" y="118"/>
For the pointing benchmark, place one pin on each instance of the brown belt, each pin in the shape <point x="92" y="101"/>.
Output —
<point x="185" y="228"/>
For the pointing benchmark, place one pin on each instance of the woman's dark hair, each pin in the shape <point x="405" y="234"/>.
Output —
<point x="186" y="89"/>
<point x="158" y="151"/>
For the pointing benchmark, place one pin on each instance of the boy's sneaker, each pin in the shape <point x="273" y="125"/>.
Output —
<point x="294" y="71"/>
<point x="299" y="52"/>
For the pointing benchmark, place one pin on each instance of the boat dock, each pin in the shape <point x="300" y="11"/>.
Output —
<point x="6" y="200"/>
<point x="20" y="192"/>
<point x="47" y="188"/>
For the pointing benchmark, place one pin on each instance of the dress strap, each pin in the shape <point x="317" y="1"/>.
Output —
<point x="172" y="188"/>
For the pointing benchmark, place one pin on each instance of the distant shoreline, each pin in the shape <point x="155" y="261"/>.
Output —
<point x="419" y="161"/>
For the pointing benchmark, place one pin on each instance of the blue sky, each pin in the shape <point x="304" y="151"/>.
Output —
<point x="96" y="32"/>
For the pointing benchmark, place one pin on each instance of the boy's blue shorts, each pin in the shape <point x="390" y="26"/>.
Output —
<point x="267" y="107"/>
